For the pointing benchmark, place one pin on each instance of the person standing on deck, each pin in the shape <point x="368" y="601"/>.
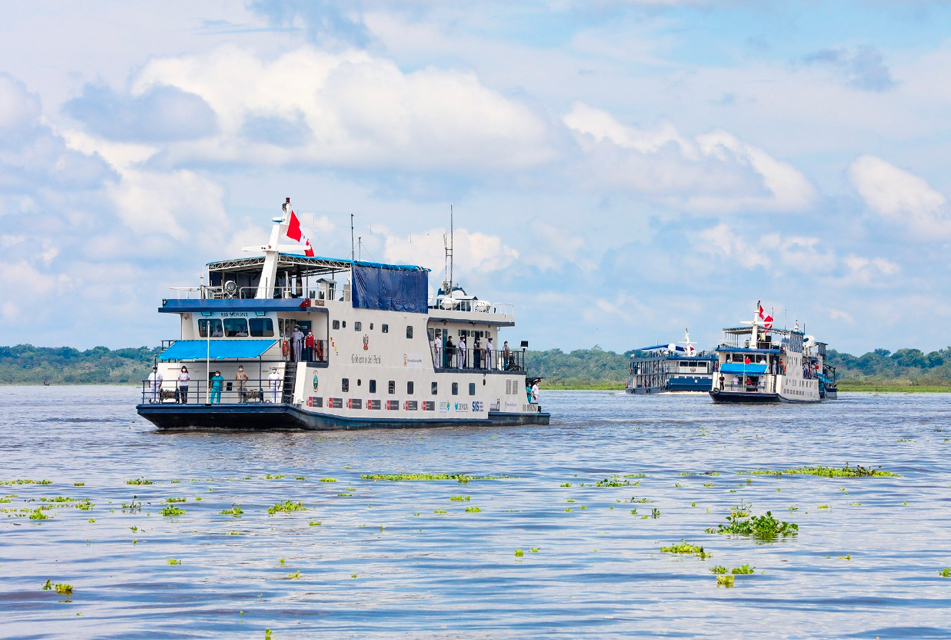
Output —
<point x="274" y="382"/>
<point x="216" y="381"/>
<point x="155" y="385"/>
<point x="450" y="352"/>
<point x="242" y="378"/>
<point x="183" y="380"/>
<point x="309" y="346"/>
<point x="506" y="355"/>
<point x="535" y="392"/>
<point x="488" y="353"/>
<point x="477" y="354"/>
<point x="436" y="350"/>
<point x="462" y="353"/>
<point x="297" y="340"/>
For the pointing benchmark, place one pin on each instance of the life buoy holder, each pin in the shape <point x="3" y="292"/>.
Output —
<point x="285" y="349"/>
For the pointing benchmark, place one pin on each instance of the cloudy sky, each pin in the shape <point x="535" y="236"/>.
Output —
<point x="619" y="169"/>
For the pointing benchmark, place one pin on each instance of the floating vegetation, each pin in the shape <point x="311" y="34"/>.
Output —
<point x="286" y="507"/>
<point x="685" y="548"/>
<point x="708" y="484"/>
<point x="26" y="482"/>
<point x="328" y="479"/>
<point x="477" y="509"/>
<point x="61" y="588"/>
<point x="171" y="510"/>
<point x="234" y="511"/>
<point x="459" y="498"/>
<point x="294" y="576"/>
<point x="439" y="511"/>
<point x="79" y="484"/>
<point x="945" y="573"/>
<point x="519" y="553"/>
<point x="655" y="513"/>
<point x="566" y="484"/>
<point x="37" y="514"/>
<point x="858" y="471"/>
<point x="823" y="506"/>
<point x="173" y="561"/>
<point x="848" y="557"/>
<point x="173" y="500"/>
<point x="764" y="527"/>
<point x="421" y="477"/>
<point x="725" y="581"/>
<point x="717" y="569"/>
<point x="273" y="477"/>
<point x="299" y="478"/>
<point x="139" y="481"/>
<point x="315" y="524"/>
<point x="535" y="549"/>
<point x="743" y="570"/>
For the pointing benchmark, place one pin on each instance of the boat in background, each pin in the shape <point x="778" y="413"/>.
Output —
<point x="760" y="364"/>
<point x="670" y="368"/>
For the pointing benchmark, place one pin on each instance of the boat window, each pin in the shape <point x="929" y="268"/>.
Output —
<point x="463" y="332"/>
<point x="344" y="324"/>
<point x="391" y="387"/>
<point x="262" y="327"/>
<point x="435" y="388"/>
<point x="409" y="331"/>
<point x="372" y="386"/>
<point x="336" y="324"/>
<point x="684" y="363"/>
<point x="472" y="388"/>
<point x="455" y="388"/>
<point x="345" y="385"/>
<point x="357" y="326"/>
<point x="409" y="388"/>
<point x="215" y="328"/>
<point x="236" y="328"/>
<point x="385" y="328"/>
<point x="371" y="326"/>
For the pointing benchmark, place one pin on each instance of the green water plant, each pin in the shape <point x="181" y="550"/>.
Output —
<point x="945" y="573"/>
<point x="685" y="548"/>
<point x="136" y="481"/>
<point x="171" y="511"/>
<point x="286" y="507"/>
<point x="742" y="570"/>
<point x="459" y="498"/>
<point x="173" y="561"/>
<point x="473" y="510"/>
<point x="234" y="511"/>
<point x="725" y="581"/>
<point x="764" y="527"/>
<point x="519" y="553"/>
<point x="174" y="500"/>
<point x="719" y="570"/>
<point x="858" y="471"/>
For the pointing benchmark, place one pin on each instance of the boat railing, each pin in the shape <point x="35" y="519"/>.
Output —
<point x="200" y="392"/>
<point x="248" y="293"/>
<point x="482" y="360"/>
<point x="444" y="303"/>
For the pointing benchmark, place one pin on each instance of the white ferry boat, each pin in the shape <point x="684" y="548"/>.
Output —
<point x="291" y="341"/>
<point x="758" y="363"/>
<point x="670" y="368"/>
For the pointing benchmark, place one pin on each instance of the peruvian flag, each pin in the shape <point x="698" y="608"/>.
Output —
<point x="767" y="319"/>
<point x="293" y="228"/>
<point x="309" y="250"/>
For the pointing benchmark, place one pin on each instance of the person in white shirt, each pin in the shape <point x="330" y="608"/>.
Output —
<point x="488" y="353"/>
<point x="461" y="348"/>
<point x="155" y="385"/>
<point x="183" y="380"/>
<point x="274" y="382"/>
<point x="436" y="350"/>
<point x="535" y="392"/>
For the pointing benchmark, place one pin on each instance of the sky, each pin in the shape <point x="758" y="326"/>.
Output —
<point x="619" y="170"/>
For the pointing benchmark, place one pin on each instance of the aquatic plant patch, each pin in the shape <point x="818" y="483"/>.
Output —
<point x="685" y="548"/>
<point x="424" y="477"/>
<point x="857" y="471"/>
<point x="137" y="481"/>
<point x="286" y="507"/>
<point x="742" y="522"/>
<point x="172" y="510"/>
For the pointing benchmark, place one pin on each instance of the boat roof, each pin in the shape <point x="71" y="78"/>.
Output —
<point x="308" y="266"/>
<point x="746" y="330"/>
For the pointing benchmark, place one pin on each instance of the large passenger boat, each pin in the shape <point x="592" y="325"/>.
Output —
<point x="758" y="363"/>
<point x="290" y="341"/>
<point x="670" y="368"/>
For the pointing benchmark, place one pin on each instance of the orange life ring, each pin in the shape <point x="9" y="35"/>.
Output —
<point x="285" y="349"/>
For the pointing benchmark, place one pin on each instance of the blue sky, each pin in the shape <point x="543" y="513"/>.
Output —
<point x="620" y="169"/>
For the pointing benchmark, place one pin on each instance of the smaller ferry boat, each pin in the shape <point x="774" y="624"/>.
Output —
<point x="670" y="368"/>
<point x="758" y="363"/>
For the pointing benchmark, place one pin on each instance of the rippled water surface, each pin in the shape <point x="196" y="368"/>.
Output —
<point x="382" y="559"/>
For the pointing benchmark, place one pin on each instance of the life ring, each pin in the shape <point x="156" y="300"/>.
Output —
<point x="285" y="349"/>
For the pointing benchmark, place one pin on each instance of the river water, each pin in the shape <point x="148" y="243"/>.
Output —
<point x="383" y="559"/>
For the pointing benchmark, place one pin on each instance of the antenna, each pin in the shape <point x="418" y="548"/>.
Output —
<point x="359" y="245"/>
<point x="351" y="238"/>
<point x="447" y="245"/>
<point x="451" y="246"/>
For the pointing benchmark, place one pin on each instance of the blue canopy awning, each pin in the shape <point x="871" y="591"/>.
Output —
<point x="216" y="349"/>
<point x="743" y="369"/>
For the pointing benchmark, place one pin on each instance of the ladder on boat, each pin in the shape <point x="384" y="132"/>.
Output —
<point x="290" y="378"/>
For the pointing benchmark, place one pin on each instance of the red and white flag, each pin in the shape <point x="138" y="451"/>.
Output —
<point x="294" y="233"/>
<point x="766" y="318"/>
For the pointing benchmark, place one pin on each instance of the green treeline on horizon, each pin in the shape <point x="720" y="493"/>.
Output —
<point x="581" y="368"/>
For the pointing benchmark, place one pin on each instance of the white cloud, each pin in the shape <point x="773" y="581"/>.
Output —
<point x="18" y="107"/>
<point x="772" y="251"/>
<point x="867" y="272"/>
<point x="472" y="252"/>
<point x="554" y="247"/>
<point x="901" y="197"/>
<point x="715" y="172"/>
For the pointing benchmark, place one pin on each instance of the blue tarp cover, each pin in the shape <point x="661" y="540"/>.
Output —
<point x="218" y="349"/>
<point x="390" y="288"/>
<point x="744" y="369"/>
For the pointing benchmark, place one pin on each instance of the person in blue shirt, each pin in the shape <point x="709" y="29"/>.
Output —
<point x="216" y="381"/>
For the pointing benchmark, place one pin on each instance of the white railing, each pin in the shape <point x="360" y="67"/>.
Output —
<point x="472" y="306"/>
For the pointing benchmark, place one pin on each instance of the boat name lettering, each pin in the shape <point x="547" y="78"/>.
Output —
<point x="462" y="406"/>
<point x="355" y="359"/>
<point x="234" y="314"/>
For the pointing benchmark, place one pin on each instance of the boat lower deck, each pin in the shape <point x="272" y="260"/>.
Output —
<point x="752" y="397"/>
<point x="280" y="416"/>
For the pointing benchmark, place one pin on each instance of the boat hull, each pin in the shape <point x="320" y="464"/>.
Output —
<point x="285" y="417"/>
<point x="756" y="397"/>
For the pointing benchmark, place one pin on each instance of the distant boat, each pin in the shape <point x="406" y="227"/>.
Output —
<point x="761" y="364"/>
<point x="670" y="368"/>
<point x="46" y="383"/>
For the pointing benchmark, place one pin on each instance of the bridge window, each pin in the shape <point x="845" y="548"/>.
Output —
<point x="385" y="328"/>
<point x="409" y="331"/>
<point x="262" y="327"/>
<point x="391" y="387"/>
<point x="472" y="388"/>
<point x="345" y="385"/>
<point x="236" y="328"/>
<point x="409" y="388"/>
<point x="455" y="388"/>
<point x="435" y="388"/>
<point x="372" y="386"/>
<point x="203" y="327"/>
<point x="336" y="324"/>
<point x="357" y="326"/>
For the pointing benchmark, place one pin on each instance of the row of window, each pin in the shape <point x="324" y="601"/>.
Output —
<point x="358" y="326"/>
<point x="410" y="387"/>
<point x="373" y="405"/>
<point x="236" y="328"/>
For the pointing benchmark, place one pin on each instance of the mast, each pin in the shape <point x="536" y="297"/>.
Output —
<point x="271" y="253"/>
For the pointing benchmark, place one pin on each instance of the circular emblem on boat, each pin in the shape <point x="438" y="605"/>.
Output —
<point x="315" y="382"/>
<point x="693" y="369"/>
